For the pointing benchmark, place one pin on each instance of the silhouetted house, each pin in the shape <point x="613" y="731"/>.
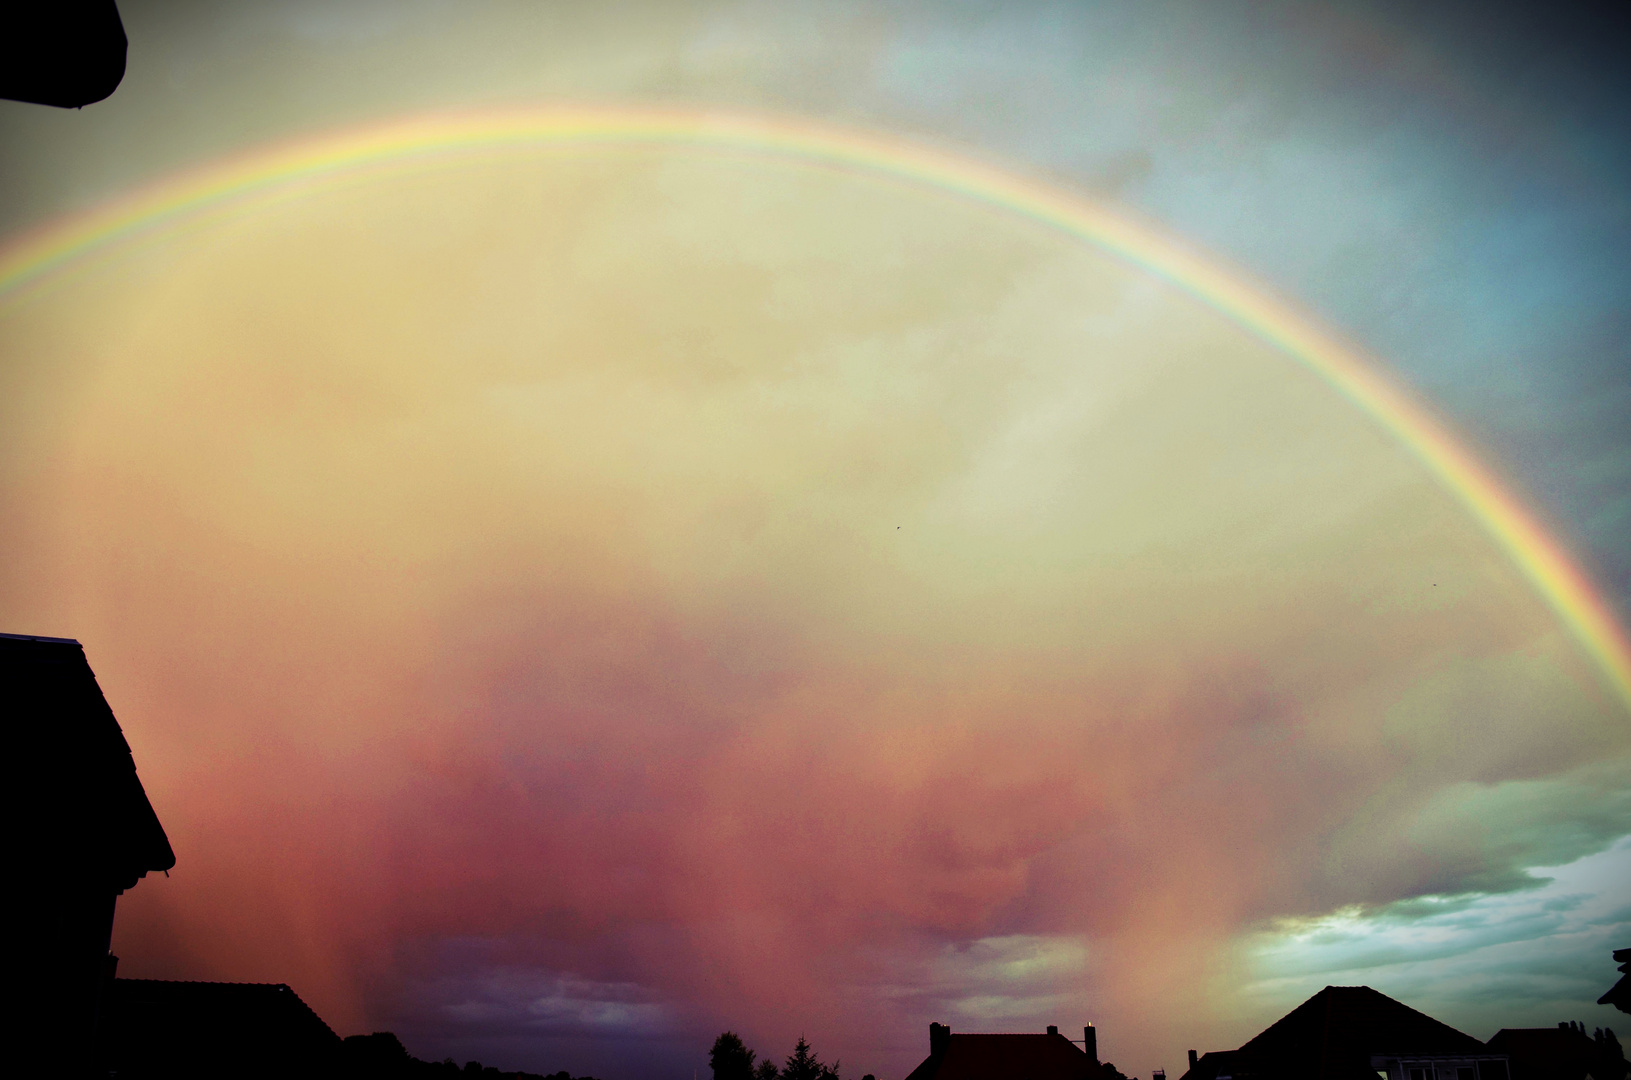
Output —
<point x="197" y="1029"/>
<point x="85" y="833"/>
<point x="1353" y="1033"/>
<point x="1619" y="995"/>
<point x="1564" y="1052"/>
<point x="1007" y="1057"/>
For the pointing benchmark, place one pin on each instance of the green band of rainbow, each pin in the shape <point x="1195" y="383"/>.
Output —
<point x="32" y="258"/>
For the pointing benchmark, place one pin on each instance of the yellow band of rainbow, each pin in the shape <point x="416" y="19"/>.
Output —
<point x="1541" y="559"/>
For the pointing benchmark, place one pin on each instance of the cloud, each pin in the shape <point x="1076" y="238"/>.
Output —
<point x="509" y="1001"/>
<point x="738" y="595"/>
<point x="1523" y="958"/>
<point x="990" y="983"/>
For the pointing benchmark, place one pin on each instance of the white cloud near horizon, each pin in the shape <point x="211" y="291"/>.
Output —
<point x="1526" y="958"/>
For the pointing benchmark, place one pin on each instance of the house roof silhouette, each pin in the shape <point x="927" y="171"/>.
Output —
<point x="86" y="834"/>
<point x="1003" y="1057"/>
<point x="159" y="1028"/>
<point x="90" y="818"/>
<point x="1345" y="1020"/>
<point x="1333" y="1035"/>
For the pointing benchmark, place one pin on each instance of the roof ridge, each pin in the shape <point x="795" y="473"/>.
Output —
<point x="41" y="637"/>
<point x="1310" y="1022"/>
<point x="202" y="982"/>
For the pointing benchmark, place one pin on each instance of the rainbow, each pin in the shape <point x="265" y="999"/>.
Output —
<point x="285" y="170"/>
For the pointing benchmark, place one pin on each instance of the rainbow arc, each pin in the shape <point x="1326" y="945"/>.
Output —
<point x="283" y="169"/>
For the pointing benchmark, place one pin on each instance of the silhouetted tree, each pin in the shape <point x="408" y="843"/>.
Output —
<point x="766" y="1071"/>
<point x="802" y="1064"/>
<point x="730" y="1059"/>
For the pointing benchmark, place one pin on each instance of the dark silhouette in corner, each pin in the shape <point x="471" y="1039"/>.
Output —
<point x="90" y="835"/>
<point x="67" y="53"/>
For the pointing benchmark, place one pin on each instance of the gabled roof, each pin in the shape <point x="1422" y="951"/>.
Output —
<point x="88" y="817"/>
<point x="1005" y="1057"/>
<point x="1332" y="1036"/>
<point x="1356" y="1020"/>
<point x="158" y="1028"/>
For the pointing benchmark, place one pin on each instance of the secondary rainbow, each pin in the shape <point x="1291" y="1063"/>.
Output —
<point x="285" y="170"/>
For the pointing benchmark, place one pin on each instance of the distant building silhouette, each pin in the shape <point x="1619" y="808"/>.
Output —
<point x="1354" y="1033"/>
<point x="1049" y="1056"/>
<point x="1564" y="1052"/>
<point x="197" y="1029"/>
<point x="88" y="833"/>
<point x="1619" y="995"/>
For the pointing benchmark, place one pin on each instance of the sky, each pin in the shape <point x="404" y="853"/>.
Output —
<point x="566" y="603"/>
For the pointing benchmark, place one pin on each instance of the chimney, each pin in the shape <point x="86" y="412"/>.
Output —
<point x="939" y="1036"/>
<point x="1090" y="1042"/>
<point x="1192" y="1059"/>
<point x="1159" y="1074"/>
<point x="1053" y="1029"/>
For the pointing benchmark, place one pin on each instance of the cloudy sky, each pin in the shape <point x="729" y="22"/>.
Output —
<point x="568" y="603"/>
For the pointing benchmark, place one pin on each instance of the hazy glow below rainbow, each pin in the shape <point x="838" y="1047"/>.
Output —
<point x="284" y="170"/>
